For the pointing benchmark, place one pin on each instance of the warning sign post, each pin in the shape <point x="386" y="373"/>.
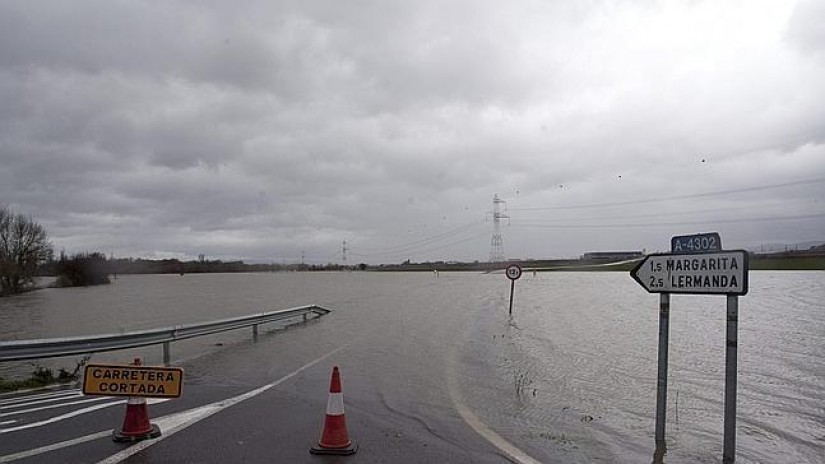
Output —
<point x="513" y="272"/>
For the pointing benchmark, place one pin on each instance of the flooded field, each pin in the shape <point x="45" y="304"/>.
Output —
<point x="570" y="377"/>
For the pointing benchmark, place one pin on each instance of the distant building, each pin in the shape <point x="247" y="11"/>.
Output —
<point x="610" y="256"/>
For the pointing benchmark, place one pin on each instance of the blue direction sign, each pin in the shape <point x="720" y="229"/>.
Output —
<point x="697" y="243"/>
<point x="723" y="272"/>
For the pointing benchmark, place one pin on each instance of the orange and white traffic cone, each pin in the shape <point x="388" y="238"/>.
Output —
<point x="334" y="438"/>
<point x="136" y="425"/>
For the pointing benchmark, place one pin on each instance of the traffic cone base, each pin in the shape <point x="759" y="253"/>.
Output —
<point x="120" y="437"/>
<point x="351" y="449"/>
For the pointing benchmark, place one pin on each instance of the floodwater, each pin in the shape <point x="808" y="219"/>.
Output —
<point x="570" y="377"/>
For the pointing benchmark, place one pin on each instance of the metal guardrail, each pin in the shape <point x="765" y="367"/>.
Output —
<point x="57" y="347"/>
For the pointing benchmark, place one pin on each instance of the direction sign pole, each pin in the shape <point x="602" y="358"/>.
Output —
<point x="729" y="450"/>
<point x="661" y="380"/>
<point x="700" y="267"/>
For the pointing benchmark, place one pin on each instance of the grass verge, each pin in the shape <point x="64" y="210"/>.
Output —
<point x="42" y="377"/>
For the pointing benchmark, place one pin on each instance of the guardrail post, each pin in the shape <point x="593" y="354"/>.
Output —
<point x="255" y="333"/>
<point x="166" y="354"/>
<point x="305" y="316"/>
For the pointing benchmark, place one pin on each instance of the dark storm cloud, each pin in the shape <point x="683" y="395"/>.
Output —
<point x="176" y="40"/>
<point x="255" y="130"/>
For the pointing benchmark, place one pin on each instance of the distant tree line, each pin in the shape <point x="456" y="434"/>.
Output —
<point x="202" y="265"/>
<point x="81" y="270"/>
<point x="81" y="267"/>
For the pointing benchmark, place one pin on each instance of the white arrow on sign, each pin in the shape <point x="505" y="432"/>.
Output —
<point x="723" y="272"/>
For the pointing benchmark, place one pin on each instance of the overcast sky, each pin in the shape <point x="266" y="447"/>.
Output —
<point x="261" y="130"/>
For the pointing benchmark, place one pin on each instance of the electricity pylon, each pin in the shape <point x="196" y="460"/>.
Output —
<point x="496" y="242"/>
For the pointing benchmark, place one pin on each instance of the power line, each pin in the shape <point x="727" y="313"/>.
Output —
<point x="424" y="247"/>
<point x="415" y="244"/>
<point x="658" y="213"/>
<point x="675" y="197"/>
<point x="663" y="224"/>
<point x="446" y="245"/>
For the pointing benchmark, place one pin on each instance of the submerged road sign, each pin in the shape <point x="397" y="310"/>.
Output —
<point x="513" y="271"/>
<point x="724" y="272"/>
<point x="128" y="380"/>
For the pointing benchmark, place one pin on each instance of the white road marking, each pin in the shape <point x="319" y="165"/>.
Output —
<point x="18" y="393"/>
<point x="8" y="422"/>
<point x="60" y="417"/>
<point x="491" y="436"/>
<point x="478" y="425"/>
<point x="169" y="424"/>
<point x="73" y="414"/>
<point x="36" y="399"/>
<point x="54" y="446"/>
<point x="177" y="422"/>
<point x="53" y="406"/>
<point x="67" y="443"/>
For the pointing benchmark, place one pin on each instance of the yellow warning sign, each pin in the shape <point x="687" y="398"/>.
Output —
<point x="128" y="380"/>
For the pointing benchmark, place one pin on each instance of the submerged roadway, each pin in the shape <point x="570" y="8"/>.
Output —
<point x="265" y="401"/>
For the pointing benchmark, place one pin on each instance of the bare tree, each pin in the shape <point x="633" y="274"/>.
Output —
<point x="23" y="246"/>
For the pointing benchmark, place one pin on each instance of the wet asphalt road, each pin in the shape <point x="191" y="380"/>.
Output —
<point x="398" y="405"/>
